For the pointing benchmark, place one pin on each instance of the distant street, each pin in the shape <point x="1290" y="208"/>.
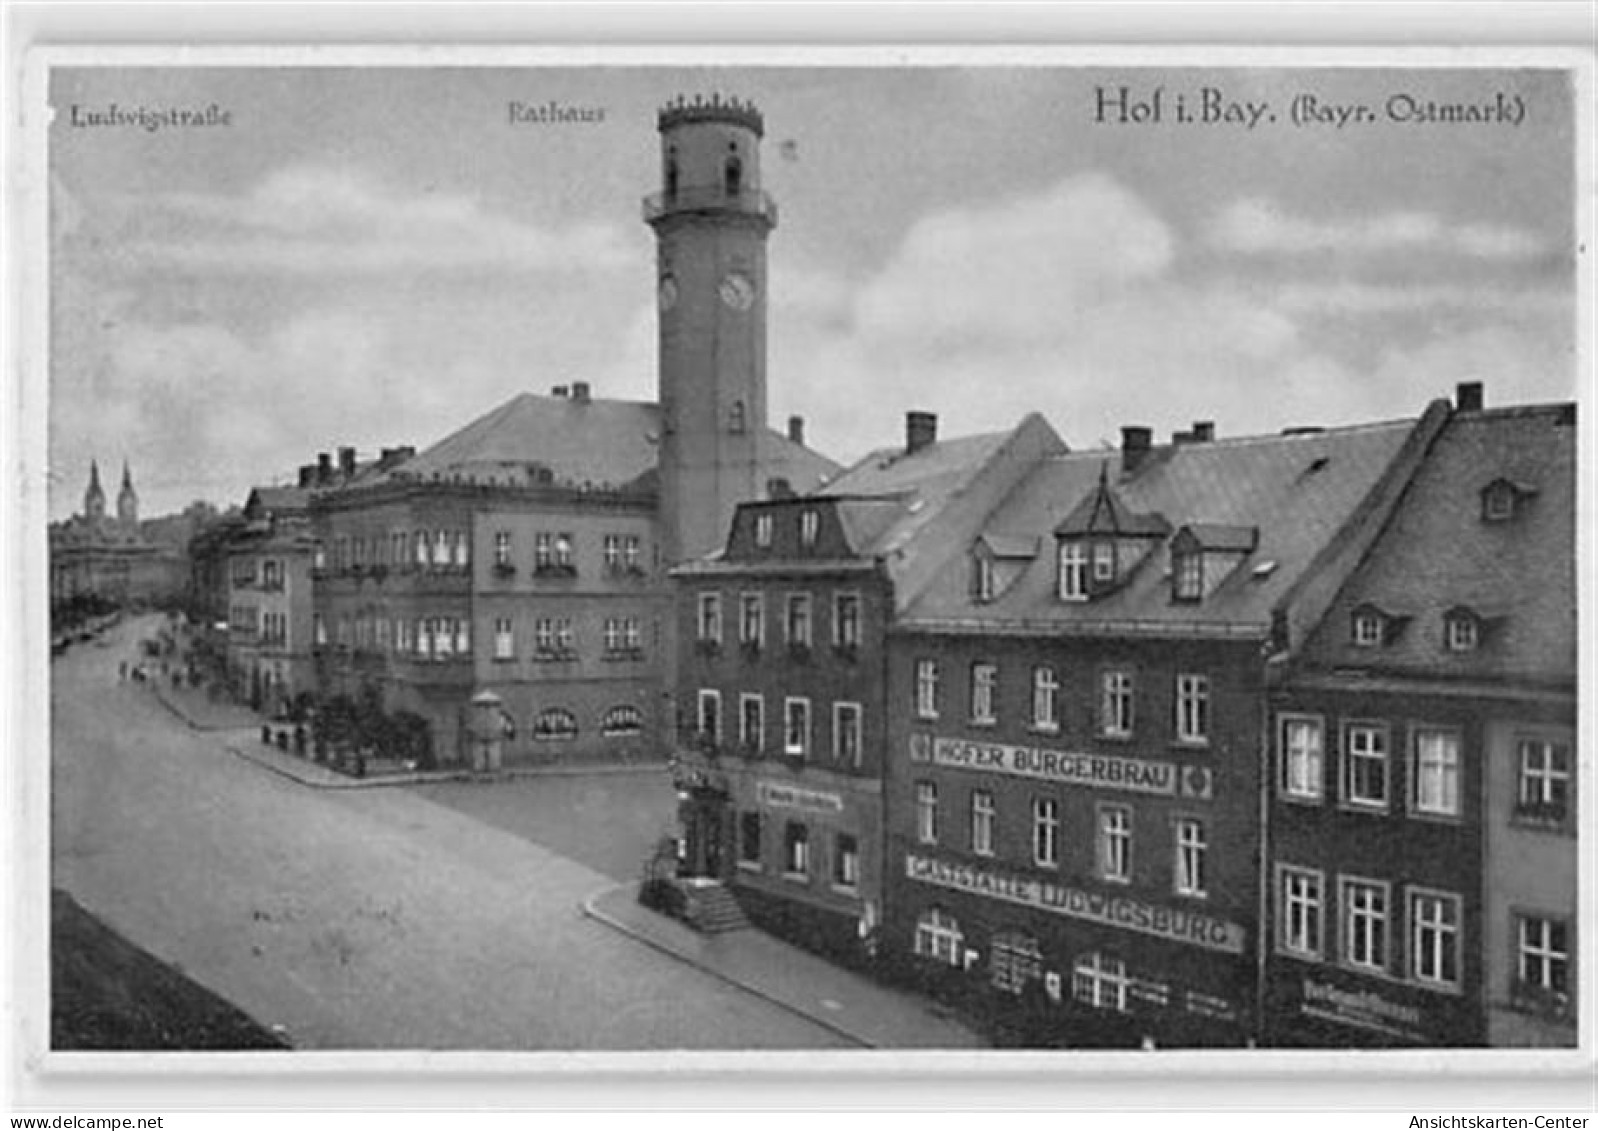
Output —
<point x="358" y="918"/>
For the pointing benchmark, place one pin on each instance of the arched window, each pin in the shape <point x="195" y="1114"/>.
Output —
<point x="734" y="175"/>
<point x="554" y="724"/>
<point x="938" y="936"/>
<point x="622" y="720"/>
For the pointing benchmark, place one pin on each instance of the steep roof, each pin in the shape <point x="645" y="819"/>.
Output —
<point x="1298" y="490"/>
<point x="1436" y="554"/>
<point x="574" y="442"/>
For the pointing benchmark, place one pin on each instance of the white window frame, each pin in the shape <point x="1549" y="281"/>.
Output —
<point x="1301" y="772"/>
<point x="809" y="527"/>
<point x="1117" y="702"/>
<point x="1358" y="748"/>
<point x="1099" y="981"/>
<point x="789" y="747"/>
<point x="797" y="627"/>
<point x="982" y="584"/>
<point x="1542" y="951"/>
<point x="796" y="850"/>
<point x="757" y="740"/>
<point x="846" y="628"/>
<point x="984" y="692"/>
<point x="763" y="530"/>
<point x="1367" y="629"/>
<point x="1461" y="633"/>
<point x="708" y="697"/>
<point x="1073" y="569"/>
<point x="752" y="618"/>
<point x="1537" y="785"/>
<point x="938" y="936"/>
<point x="504" y="638"/>
<point x="926" y="688"/>
<point x="1439" y="798"/>
<point x="1193" y="708"/>
<point x="708" y="623"/>
<point x="1115" y="842"/>
<point x="1359" y="919"/>
<point x="926" y="812"/>
<point x="1301" y="897"/>
<point x="845" y="861"/>
<point x="1187" y="572"/>
<point x="983" y="818"/>
<point x="1192" y="849"/>
<point x="1045" y="698"/>
<point x="848" y="720"/>
<point x="1441" y="934"/>
<point x="1046" y="832"/>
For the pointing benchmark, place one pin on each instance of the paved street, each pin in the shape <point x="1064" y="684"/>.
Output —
<point x="359" y="918"/>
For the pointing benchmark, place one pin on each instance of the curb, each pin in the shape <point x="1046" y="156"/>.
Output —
<point x="592" y="911"/>
<point x="430" y="777"/>
<point x="186" y="717"/>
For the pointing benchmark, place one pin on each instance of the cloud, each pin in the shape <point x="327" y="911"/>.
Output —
<point x="1260" y="227"/>
<point x="1347" y="297"/>
<point x="321" y="222"/>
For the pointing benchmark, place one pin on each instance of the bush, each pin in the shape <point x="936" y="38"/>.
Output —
<point x="663" y="896"/>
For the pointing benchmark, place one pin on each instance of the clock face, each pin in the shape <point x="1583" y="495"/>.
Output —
<point x="737" y="291"/>
<point x="668" y="292"/>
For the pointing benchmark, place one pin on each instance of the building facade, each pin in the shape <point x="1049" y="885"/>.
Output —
<point x="1076" y="713"/>
<point x="99" y="557"/>
<point x="1422" y="820"/>
<point x="269" y="603"/>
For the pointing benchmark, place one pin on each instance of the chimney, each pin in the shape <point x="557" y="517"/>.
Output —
<point x="308" y="475"/>
<point x="1203" y="431"/>
<point x="559" y="391"/>
<point x="346" y="462"/>
<point x="1135" y="442"/>
<point x="796" y="430"/>
<point x="580" y="392"/>
<point x="324" y="467"/>
<point x="1468" y="396"/>
<point x="920" y="430"/>
<point x="779" y="489"/>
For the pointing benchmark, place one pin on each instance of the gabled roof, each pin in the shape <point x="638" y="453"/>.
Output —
<point x="1103" y="512"/>
<point x="1219" y="537"/>
<point x="277" y="501"/>
<point x="1436" y="554"/>
<point x="1298" y="490"/>
<point x="1010" y="546"/>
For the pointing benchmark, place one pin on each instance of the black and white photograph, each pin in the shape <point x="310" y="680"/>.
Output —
<point x="1034" y="554"/>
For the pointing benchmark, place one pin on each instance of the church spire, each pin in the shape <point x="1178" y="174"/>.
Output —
<point x="127" y="500"/>
<point x="94" y="497"/>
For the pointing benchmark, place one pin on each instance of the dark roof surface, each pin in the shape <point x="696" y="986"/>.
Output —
<point x="1298" y="490"/>
<point x="1437" y="554"/>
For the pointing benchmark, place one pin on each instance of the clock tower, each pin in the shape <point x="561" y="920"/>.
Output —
<point x="711" y="220"/>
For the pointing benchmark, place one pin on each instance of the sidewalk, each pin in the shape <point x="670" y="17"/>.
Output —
<point x="199" y="710"/>
<point x="847" y="1003"/>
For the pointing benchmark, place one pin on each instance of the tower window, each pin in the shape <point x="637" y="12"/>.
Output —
<point x="733" y="175"/>
<point x="671" y="174"/>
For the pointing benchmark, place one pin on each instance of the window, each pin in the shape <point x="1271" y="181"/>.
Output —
<point x="1367" y="629"/>
<point x="612" y="634"/>
<point x="752" y="722"/>
<point x="1187" y="571"/>
<point x="984" y="682"/>
<point x="846" y="620"/>
<point x="735" y="418"/>
<point x="762" y="530"/>
<point x="1544" y="789"/>
<point x="1073" y="571"/>
<point x="1434" y="938"/>
<point x="1190" y="849"/>
<point x="543" y="550"/>
<point x="441" y="547"/>
<point x="846" y="861"/>
<point x="982" y="822"/>
<point x="938" y="936"/>
<point x="809" y="527"/>
<point x="622" y="720"/>
<point x="1437" y="772"/>
<point x="318" y="629"/>
<point x="749" y="837"/>
<point x="1543" y="949"/>
<point x="1016" y="961"/>
<point x="1103" y="562"/>
<point x="981" y="578"/>
<point x="1115" y="708"/>
<point x="709" y="715"/>
<point x="1364" y="907"/>
<point x="631" y="550"/>
<point x="1302" y="744"/>
<point x="501" y="548"/>
<point x="1045" y="698"/>
<point x="555" y="723"/>
<point x="710" y="617"/>
<point x="732" y="176"/>
<point x="1046" y="832"/>
<point x="462" y="549"/>
<point x="504" y="640"/>
<point x="796" y="728"/>
<point x="846" y="733"/>
<point x="798" y="620"/>
<point x="319" y="556"/>
<point x="796" y="850"/>
<point x="1100" y="981"/>
<point x="1115" y="843"/>
<point x="632" y="636"/>
<point x="1301" y="904"/>
<point x="1365" y="765"/>
<point x="564" y="552"/>
<point x="1498" y="502"/>
<point x="1461" y="632"/>
<point x="751" y="619"/>
<point x="927" y="812"/>
<point x="612" y="553"/>
<point x="1192" y="708"/>
<point x="404" y="636"/>
<point x="544" y="635"/>
<point x="927" y="689"/>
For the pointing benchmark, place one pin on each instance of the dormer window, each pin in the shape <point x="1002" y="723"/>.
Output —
<point x="1368" y="628"/>
<point x="763" y="530"/>
<point x="1103" y="562"/>
<point x="1502" y="498"/>
<point x="1461" y="631"/>
<point x="982" y="578"/>
<point x="1187" y="576"/>
<point x="809" y="527"/>
<point x="1073" y="571"/>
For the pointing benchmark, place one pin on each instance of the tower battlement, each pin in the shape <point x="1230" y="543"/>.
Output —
<point x="715" y="109"/>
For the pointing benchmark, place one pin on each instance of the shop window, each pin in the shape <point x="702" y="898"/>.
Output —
<point x="938" y="937"/>
<point x="622" y="720"/>
<point x="555" y="724"/>
<point x="1016" y="961"/>
<point x="796" y="850"/>
<point x="1100" y="981"/>
<point x="846" y="862"/>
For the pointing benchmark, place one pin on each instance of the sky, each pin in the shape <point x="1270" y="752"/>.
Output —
<point x="371" y="257"/>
